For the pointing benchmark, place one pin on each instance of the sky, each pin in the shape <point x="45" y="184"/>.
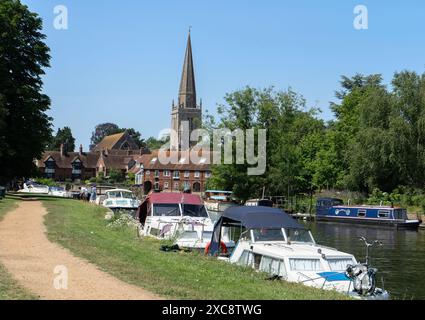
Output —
<point x="121" y="61"/>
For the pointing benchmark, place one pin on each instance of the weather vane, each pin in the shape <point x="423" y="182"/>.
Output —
<point x="190" y="28"/>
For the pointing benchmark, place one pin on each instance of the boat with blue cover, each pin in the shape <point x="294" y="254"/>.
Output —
<point x="333" y="209"/>
<point x="274" y="243"/>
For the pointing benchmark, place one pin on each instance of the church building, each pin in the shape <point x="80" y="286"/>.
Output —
<point x="186" y="115"/>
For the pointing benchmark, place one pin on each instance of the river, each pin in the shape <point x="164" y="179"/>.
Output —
<point x="400" y="260"/>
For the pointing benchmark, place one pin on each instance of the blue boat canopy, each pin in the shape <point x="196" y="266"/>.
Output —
<point x="218" y="191"/>
<point x="252" y="218"/>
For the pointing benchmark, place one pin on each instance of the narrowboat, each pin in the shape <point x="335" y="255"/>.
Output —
<point x="274" y="243"/>
<point x="181" y="217"/>
<point x="333" y="209"/>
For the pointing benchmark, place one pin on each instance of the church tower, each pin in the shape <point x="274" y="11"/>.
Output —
<point x="187" y="114"/>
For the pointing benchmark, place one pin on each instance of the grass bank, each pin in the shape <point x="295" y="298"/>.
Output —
<point x="9" y="288"/>
<point x="82" y="229"/>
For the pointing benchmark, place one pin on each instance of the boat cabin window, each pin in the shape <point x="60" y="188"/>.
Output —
<point x="299" y="235"/>
<point x="273" y="266"/>
<point x="305" y="265"/>
<point x="246" y="259"/>
<point x="120" y="194"/>
<point x="189" y="235"/>
<point x="383" y="214"/>
<point x="361" y="213"/>
<point x="207" y="235"/>
<point x="400" y="214"/>
<point x="166" y="210"/>
<point x="194" y="210"/>
<point x="340" y="264"/>
<point x="268" y="235"/>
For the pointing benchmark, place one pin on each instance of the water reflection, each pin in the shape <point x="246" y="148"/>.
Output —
<point x="400" y="261"/>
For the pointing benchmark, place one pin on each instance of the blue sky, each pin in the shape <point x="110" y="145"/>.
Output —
<point x="121" y="61"/>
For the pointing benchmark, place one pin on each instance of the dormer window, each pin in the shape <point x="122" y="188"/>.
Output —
<point x="76" y="169"/>
<point x="50" y="167"/>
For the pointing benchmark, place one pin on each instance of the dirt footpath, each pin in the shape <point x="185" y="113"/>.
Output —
<point x="43" y="267"/>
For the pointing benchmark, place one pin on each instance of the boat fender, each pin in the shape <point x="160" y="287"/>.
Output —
<point x="222" y="245"/>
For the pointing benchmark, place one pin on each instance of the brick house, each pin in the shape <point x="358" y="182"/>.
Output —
<point x="113" y="152"/>
<point x="153" y="175"/>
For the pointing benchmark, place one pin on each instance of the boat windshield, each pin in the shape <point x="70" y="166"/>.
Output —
<point x="127" y="195"/>
<point x="268" y="235"/>
<point x="194" y="210"/>
<point x="166" y="210"/>
<point x="120" y="194"/>
<point x="299" y="235"/>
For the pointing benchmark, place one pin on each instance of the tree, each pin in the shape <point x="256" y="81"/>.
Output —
<point x="25" y="128"/>
<point x="101" y="131"/>
<point x="63" y="136"/>
<point x="155" y="144"/>
<point x="107" y="129"/>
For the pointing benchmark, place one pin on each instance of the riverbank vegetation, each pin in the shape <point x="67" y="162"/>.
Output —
<point x="9" y="288"/>
<point x="81" y="228"/>
<point x="375" y="143"/>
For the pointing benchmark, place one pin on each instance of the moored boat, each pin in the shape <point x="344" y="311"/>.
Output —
<point x="333" y="209"/>
<point x="181" y="217"/>
<point x="32" y="187"/>
<point x="120" y="199"/>
<point x="274" y="243"/>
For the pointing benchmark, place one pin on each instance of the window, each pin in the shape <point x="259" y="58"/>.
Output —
<point x="273" y="266"/>
<point x="176" y="186"/>
<point x="148" y="172"/>
<point x="166" y="185"/>
<point x="197" y="174"/>
<point x="194" y="210"/>
<point x="305" y="265"/>
<point x="340" y="264"/>
<point x="299" y="235"/>
<point x="186" y="185"/>
<point x="166" y="210"/>
<point x="156" y="173"/>
<point x="176" y="175"/>
<point x="187" y="174"/>
<point x="246" y="259"/>
<point x="268" y="235"/>
<point x="208" y="174"/>
<point x="361" y="213"/>
<point x="167" y="173"/>
<point x="383" y="214"/>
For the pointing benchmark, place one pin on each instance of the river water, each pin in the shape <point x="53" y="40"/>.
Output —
<point x="400" y="261"/>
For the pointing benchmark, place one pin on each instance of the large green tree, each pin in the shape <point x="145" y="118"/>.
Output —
<point x="63" y="136"/>
<point x="106" y="129"/>
<point x="25" y="128"/>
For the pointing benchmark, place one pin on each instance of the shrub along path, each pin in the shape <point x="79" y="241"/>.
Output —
<point x="32" y="259"/>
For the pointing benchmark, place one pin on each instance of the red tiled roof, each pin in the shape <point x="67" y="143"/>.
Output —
<point x="165" y="197"/>
<point x="89" y="159"/>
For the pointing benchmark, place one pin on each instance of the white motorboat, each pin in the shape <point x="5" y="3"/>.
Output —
<point x="180" y="217"/>
<point x="120" y="199"/>
<point x="58" y="192"/>
<point x="274" y="243"/>
<point x="32" y="187"/>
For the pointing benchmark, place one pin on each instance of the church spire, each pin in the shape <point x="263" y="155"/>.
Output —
<point x="187" y="93"/>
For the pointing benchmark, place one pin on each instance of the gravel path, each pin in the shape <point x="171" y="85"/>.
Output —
<point x="42" y="266"/>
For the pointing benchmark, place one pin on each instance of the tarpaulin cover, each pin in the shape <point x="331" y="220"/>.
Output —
<point x="252" y="218"/>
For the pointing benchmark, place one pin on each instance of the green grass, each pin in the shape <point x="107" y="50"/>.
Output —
<point x="82" y="229"/>
<point x="9" y="288"/>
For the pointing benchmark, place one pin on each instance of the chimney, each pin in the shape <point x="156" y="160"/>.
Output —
<point x="81" y="149"/>
<point x="62" y="150"/>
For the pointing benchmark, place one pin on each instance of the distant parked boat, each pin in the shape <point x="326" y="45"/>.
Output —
<point x="32" y="187"/>
<point x="120" y="199"/>
<point x="259" y="203"/>
<point x="333" y="209"/>
<point x="218" y="201"/>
